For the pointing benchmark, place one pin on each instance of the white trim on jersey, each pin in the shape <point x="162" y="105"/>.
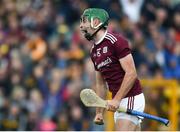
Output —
<point x="91" y="48"/>
<point x="101" y="38"/>
<point x="111" y="38"/>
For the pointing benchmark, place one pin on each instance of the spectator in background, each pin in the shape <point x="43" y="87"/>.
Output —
<point x="132" y="9"/>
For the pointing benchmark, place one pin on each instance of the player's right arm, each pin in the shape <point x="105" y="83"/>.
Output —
<point x="100" y="90"/>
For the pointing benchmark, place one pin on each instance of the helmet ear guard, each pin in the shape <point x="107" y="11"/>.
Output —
<point x="89" y="36"/>
<point x="95" y="27"/>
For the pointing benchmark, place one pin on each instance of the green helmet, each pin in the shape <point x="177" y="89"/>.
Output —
<point x="101" y="14"/>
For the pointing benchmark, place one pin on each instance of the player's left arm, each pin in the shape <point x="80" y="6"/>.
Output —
<point x="130" y="76"/>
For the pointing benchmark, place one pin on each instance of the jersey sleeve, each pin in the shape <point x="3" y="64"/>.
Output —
<point x="122" y="48"/>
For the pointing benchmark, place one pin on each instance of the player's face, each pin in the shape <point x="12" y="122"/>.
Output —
<point x="85" y="25"/>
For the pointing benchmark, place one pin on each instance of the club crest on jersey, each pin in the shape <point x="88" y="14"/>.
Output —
<point x="105" y="49"/>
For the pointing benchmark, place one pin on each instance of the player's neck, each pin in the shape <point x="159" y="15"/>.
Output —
<point x="99" y="36"/>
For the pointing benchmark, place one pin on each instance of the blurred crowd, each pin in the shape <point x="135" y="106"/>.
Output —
<point x="44" y="60"/>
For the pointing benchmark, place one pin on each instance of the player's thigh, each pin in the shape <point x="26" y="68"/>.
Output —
<point x="124" y="121"/>
<point x="125" y="125"/>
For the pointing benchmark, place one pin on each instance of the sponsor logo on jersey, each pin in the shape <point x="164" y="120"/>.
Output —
<point x="104" y="63"/>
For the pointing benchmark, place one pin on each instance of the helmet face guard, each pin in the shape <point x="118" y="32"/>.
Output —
<point x="92" y="13"/>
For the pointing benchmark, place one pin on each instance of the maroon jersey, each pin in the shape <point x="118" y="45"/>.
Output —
<point x="105" y="56"/>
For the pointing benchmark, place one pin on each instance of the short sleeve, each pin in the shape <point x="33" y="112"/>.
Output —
<point x="121" y="48"/>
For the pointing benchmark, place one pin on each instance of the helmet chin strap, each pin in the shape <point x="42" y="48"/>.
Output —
<point x="89" y="36"/>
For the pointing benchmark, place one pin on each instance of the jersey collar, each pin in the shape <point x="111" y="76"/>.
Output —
<point x="98" y="42"/>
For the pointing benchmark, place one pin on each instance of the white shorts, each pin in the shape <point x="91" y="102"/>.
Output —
<point x="135" y="103"/>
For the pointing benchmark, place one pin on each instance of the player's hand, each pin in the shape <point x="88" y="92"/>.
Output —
<point x="99" y="119"/>
<point x="112" y="105"/>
